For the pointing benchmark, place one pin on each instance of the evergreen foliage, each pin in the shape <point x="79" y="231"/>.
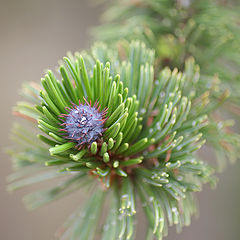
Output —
<point x="206" y="29"/>
<point x="142" y="124"/>
<point x="176" y="29"/>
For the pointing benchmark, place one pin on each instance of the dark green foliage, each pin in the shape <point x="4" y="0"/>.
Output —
<point x="177" y="29"/>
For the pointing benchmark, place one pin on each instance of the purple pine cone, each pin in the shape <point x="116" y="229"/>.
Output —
<point x="83" y="123"/>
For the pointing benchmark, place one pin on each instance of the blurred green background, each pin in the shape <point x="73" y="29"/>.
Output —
<point x="34" y="35"/>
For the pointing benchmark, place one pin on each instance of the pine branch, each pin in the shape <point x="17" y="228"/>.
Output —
<point x="121" y="122"/>
<point x="208" y="31"/>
